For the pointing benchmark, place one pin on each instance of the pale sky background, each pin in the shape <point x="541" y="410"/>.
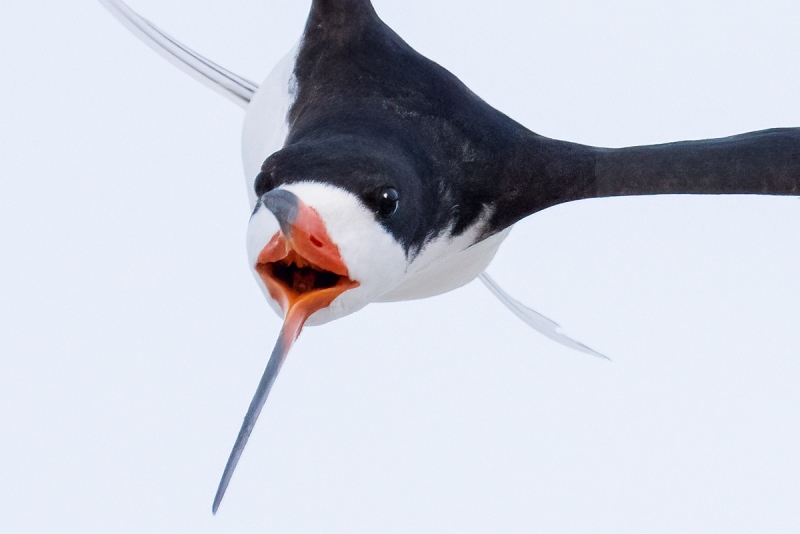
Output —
<point x="133" y="336"/>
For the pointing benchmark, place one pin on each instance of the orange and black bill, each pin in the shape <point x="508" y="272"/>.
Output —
<point x="304" y="272"/>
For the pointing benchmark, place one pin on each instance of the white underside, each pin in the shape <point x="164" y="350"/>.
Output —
<point x="445" y="265"/>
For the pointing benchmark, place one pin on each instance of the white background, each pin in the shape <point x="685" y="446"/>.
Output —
<point x="132" y="335"/>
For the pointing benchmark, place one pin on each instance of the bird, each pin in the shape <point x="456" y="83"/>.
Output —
<point x="376" y="175"/>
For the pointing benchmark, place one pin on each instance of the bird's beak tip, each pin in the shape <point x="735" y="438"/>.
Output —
<point x="285" y="206"/>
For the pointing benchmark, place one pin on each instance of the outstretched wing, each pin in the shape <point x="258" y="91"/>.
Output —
<point x="223" y="81"/>
<point x="544" y="172"/>
<point x="762" y="163"/>
<point x="534" y="319"/>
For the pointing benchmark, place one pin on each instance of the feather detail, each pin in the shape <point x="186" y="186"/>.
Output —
<point x="230" y="85"/>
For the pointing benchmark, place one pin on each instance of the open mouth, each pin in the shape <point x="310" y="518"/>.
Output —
<point x="303" y="272"/>
<point x="295" y="277"/>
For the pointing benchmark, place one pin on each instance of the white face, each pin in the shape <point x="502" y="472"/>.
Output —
<point x="372" y="256"/>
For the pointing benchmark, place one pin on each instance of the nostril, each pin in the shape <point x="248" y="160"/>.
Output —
<point x="316" y="242"/>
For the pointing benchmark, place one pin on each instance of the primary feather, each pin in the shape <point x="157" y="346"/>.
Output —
<point x="232" y="86"/>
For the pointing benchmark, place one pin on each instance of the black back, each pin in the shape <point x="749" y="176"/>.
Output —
<point x="372" y="113"/>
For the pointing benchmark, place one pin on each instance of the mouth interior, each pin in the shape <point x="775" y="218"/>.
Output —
<point x="299" y="275"/>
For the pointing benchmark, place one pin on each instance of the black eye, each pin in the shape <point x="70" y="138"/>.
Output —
<point x="388" y="199"/>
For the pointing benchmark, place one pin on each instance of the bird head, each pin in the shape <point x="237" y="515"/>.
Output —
<point x="336" y="225"/>
<point x="318" y="253"/>
<point x="328" y="234"/>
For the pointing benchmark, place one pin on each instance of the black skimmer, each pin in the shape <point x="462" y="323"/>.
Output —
<point x="375" y="175"/>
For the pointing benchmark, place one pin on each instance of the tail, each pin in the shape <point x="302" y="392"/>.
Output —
<point x="234" y="87"/>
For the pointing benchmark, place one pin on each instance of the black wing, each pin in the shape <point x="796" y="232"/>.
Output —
<point x="545" y="172"/>
<point x="359" y="81"/>
<point x="759" y="163"/>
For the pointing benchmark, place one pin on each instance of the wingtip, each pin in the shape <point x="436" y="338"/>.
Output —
<point x="536" y="320"/>
<point x="232" y="86"/>
<point x="596" y="354"/>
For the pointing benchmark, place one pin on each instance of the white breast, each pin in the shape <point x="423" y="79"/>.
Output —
<point x="446" y="264"/>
